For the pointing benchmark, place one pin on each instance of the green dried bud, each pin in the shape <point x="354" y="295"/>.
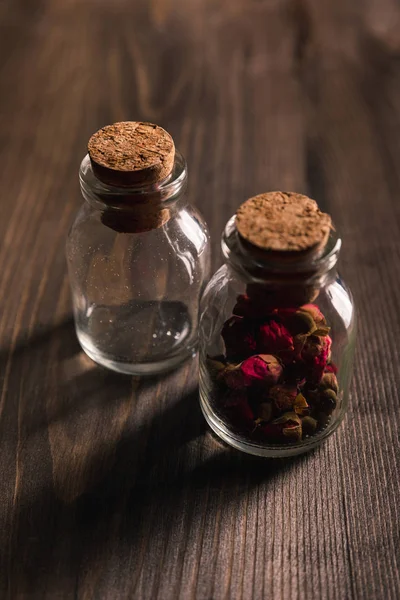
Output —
<point x="291" y="426"/>
<point x="283" y="396"/>
<point x="215" y="366"/>
<point x="265" y="411"/>
<point x="322" y="331"/>
<point x="300" y="406"/>
<point x="329" y="382"/>
<point x="314" y="311"/>
<point x="287" y="418"/>
<point x="309" y="425"/>
<point x="293" y="432"/>
<point x="328" y="401"/>
<point x="305" y="323"/>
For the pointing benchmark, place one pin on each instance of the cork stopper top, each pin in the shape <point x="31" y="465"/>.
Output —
<point x="131" y="153"/>
<point x="284" y="222"/>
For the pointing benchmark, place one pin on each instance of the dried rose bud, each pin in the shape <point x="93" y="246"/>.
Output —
<point x="284" y="315"/>
<point x="331" y="368"/>
<point x="309" y="425"/>
<point x="327" y="401"/>
<point x="298" y="343"/>
<point x="303" y="323"/>
<point x="269" y="432"/>
<point x="265" y="411"/>
<point x="241" y="415"/>
<point x="300" y="406"/>
<point x="283" y="396"/>
<point x="293" y="432"/>
<point x="274" y="338"/>
<point x="318" y="367"/>
<point x="322" y="331"/>
<point x="329" y="382"/>
<point x="215" y="366"/>
<point x="261" y="370"/>
<point x="238" y="337"/>
<point x="315" y="353"/>
<point x="233" y="376"/>
<point x="288" y="417"/>
<point x="312" y="395"/>
<point x="315" y="346"/>
<point x="314" y="312"/>
<point x="291" y="426"/>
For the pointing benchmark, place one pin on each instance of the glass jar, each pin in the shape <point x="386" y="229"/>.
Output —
<point x="276" y="348"/>
<point x="138" y="258"/>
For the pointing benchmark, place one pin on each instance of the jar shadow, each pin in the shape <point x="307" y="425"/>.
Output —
<point x="132" y="462"/>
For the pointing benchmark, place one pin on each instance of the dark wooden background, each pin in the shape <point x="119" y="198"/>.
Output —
<point x="113" y="488"/>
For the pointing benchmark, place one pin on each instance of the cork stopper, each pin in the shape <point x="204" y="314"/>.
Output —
<point x="131" y="153"/>
<point x="284" y="223"/>
<point x="139" y="220"/>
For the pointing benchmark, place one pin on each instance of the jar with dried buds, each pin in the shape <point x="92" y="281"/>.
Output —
<point x="138" y="253"/>
<point x="277" y="329"/>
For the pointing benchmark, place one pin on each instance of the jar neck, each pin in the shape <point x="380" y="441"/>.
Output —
<point x="135" y="209"/>
<point x="163" y="194"/>
<point x="281" y="271"/>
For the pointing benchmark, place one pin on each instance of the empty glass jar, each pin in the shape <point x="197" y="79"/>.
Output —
<point x="138" y="257"/>
<point x="276" y="347"/>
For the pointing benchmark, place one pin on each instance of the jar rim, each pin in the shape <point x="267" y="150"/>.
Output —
<point x="254" y="261"/>
<point x="163" y="192"/>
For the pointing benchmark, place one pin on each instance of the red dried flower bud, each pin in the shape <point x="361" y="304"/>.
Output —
<point x="274" y="338"/>
<point x="331" y="368"/>
<point x="315" y="346"/>
<point x="240" y="414"/>
<point x="260" y="370"/>
<point x="232" y="375"/>
<point x="316" y="353"/>
<point x="269" y="433"/>
<point x="238" y="337"/>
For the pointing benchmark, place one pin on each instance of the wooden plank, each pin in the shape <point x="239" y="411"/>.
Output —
<point x="113" y="487"/>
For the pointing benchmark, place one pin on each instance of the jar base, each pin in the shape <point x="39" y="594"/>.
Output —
<point x="137" y="369"/>
<point x="271" y="451"/>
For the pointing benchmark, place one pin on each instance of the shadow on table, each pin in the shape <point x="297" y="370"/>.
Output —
<point x="77" y="513"/>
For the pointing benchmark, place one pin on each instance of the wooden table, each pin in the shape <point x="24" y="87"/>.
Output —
<point x="114" y="488"/>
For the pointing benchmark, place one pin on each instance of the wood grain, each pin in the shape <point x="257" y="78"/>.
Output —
<point x="112" y="487"/>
